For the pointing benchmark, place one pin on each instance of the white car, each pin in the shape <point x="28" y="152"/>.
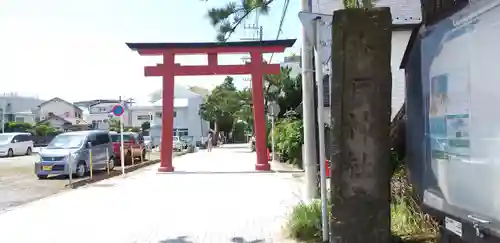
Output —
<point x="15" y="144"/>
<point x="177" y="144"/>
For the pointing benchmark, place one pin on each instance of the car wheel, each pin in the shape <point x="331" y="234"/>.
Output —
<point x="28" y="151"/>
<point x="81" y="169"/>
<point x="42" y="177"/>
<point x="111" y="163"/>
<point x="10" y="153"/>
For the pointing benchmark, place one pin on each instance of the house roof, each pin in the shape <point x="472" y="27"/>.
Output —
<point x="60" y="100"/>
<point x="72" y="121"/>
<point x="189" y="45"/>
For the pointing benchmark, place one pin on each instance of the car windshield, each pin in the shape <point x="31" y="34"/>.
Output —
<point x="5" y="138"/>
<point x="187" y="139"/>
<point x="116" y="138"/>
<point x="66" y="141"/>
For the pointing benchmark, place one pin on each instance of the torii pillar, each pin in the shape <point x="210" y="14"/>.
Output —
<point x="169" y="69"/>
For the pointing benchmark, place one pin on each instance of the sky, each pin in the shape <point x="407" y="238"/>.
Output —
<point x="76" y="50"/>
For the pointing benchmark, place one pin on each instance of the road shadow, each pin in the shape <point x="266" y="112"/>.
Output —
<point x="234" y="146"/>
<point x="229" y="172"/>
<point x="180" y="239"/>
<point x="243" y="152"/>
<point x="185" y="239"/>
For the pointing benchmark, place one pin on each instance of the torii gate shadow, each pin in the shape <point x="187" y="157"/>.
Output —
<point x="231" y="172"/>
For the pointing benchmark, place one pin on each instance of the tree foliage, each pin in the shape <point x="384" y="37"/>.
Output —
<point x="114" y="125"/>
<point x="227" y="18"/>
<point x="285" y="89"/>
<point x="145" y="125"/>
<point x="358" y="3"/>
<point x="221" y="105"/>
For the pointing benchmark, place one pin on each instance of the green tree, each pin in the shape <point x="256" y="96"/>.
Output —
<point x="114" y="125"/>
<point x="44" y="129"/>
<point x="221" y="105"/>
<point x="285" y="89"/>
<point x="17" y="127"/>
<point x="227" y="18"/>
<point x="145" y="125"/>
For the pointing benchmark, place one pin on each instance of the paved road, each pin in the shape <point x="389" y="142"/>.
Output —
<point x="19" y="185"/>
<point x="213" y="197"/>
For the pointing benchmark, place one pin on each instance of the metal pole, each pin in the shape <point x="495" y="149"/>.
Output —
<point x="321" y="132"/>
<point x="70" y="169"/>
<point x="150" y="149"/>
<point x="309" y="155"/>
<point x="132" y="152"/>
<point x="3" y="115"/>
<point x="90" y="160"/>
<point x="107" y="160"/>
<point x="122" y="152"/>
<point x="272" y="138"/>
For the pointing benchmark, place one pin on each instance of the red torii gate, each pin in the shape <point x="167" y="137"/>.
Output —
<point x="169" y="69"/>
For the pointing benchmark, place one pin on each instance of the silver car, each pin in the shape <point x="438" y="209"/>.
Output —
<point x="84" y="149"/>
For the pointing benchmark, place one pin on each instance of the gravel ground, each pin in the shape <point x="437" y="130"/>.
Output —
<point x="19" y="184"/>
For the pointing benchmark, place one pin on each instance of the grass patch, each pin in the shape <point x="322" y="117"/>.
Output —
<point x="408" y="222"/>
<point x="304" y="223"/>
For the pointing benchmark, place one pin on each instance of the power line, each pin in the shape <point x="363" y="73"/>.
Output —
<point x="282" y="21"/>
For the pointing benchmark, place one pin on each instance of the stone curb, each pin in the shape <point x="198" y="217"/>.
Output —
<point x="104" y="176"/>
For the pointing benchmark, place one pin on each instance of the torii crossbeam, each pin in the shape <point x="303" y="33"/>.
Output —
<point x="169" y="69"/>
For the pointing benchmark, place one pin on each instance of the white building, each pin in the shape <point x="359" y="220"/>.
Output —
<point x="17" y="108"/>
<point x="100" y="114"/>
<point x="406" y="14"/>
<point x="187" y="121"/>
<point x="61" y="114"/>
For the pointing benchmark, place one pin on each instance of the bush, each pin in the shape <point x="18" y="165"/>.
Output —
<point x="408" y="222"/>
<point x="304" y="223"/>
<point x="288" y="134"/>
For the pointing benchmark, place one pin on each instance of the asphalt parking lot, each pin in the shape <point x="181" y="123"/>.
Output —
<point x="19" y="184"/>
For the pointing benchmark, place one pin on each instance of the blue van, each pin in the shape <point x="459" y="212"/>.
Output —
<point x="75" y="147"/>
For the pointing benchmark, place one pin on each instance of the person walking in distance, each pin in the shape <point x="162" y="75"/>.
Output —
<point x="209" y="142"/>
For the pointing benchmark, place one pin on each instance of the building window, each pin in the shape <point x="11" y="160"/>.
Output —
<point x="143" y="117"/>
<point x="158" y="114"/>
<point x="181" y="132"/>
<point x="19" y="119"/>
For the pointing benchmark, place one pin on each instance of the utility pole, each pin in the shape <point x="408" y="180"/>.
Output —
<point x="309" y="151"/>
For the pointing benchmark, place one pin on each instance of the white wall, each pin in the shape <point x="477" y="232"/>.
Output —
<point x="101" y="114"/>
<point x="399" y="42"/>
<point x="28" y="118"/>
<point x="185" y="117"/>
<point x="403" y="12"/>
<point x="59" y="108"/>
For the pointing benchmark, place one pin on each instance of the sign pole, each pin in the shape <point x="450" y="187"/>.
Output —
<point x="122" y="152"/>
<point x="272" y="139"/>
<point x="321" y="127"/>
<point x="273" y="109"/>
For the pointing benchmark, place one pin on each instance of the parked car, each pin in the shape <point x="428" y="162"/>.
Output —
<point x="133" y="144"/>
<point x="178" y="144"/>
<point x="70" y="153"/>
<point x="147" y="142"/>
<point x="15" y="143"/>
